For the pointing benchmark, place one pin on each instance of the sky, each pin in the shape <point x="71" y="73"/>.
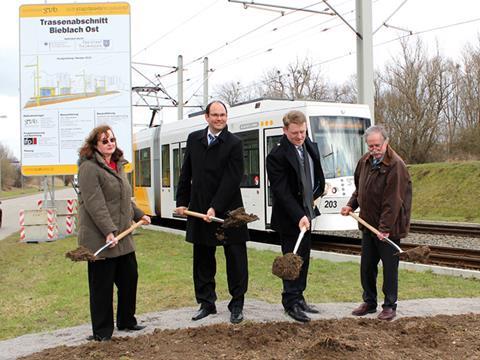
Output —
<point x="242" y="44"/>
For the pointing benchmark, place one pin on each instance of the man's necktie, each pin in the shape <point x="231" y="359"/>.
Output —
<point x="300" y="153"/>
<point x="211" y="138"/>
<point x="306" y="179"/>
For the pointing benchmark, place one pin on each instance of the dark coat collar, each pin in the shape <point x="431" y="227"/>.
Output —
<point x="387" y="158"/>
<point x="202" y="136"/>
<point x="291" y="152"/>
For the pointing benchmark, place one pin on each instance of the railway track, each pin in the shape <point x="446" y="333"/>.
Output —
<point x="439" y="255"/>
<point x="438" y="228"/>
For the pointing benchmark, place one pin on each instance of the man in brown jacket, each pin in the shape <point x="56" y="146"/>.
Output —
<point x="384" y="195"/>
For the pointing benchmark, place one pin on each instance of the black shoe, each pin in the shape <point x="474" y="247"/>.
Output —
<point x="236" y="316"/>
<point x="204" y="312"/>
<point x="132" y="328"/>
<point x="307" y="308"/>
<point x="99" y="338"/>
<point x="296" y="312"/>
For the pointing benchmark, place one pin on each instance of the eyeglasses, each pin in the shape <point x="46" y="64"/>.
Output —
<point x="371" y="146"/>
<point x="105" y="141"/>
<point x="217" y="114"/>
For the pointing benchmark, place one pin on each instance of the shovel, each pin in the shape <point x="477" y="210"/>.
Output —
<point x="375" y="231"/>
<point x="288" y="266"/>
<point x="82" y="253"/>
<point x="120" y="236"/>
<point x="235" y="218"/>
<point x="202" y="216"/>
<point x="420" y="253"/>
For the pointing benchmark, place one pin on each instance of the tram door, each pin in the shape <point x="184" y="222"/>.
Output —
<point x="171" y="154"/>
<point x="271" y="139"/>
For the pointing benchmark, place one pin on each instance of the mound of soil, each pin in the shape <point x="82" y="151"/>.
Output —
<point x="439" y="337"/>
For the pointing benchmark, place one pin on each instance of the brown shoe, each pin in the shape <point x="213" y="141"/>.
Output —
<point x="364" y="309"/>
<point x="387" y="314"/>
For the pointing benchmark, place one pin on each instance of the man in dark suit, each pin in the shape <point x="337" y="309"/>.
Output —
<point x="209" y="183"/>
<point x="296" y="180"/>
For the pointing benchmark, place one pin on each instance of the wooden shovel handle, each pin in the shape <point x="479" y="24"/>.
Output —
<point x="375" y="231"/>
<point x="130" y="229"/>
<point x="364" y="223"/>
<point x="201" y="216"/>
<point x="120" y="236"/>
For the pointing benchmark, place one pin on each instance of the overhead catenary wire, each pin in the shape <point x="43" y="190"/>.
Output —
<point x="416" y="33"/>
<point x="271" y="47"/>
<point x="259" y="52"/>
<point x="350" y="53"/>
<point x="175" y="28"/>
<point x="229" y="43"/>
<point x="390" y="16"/>
<point x="251" y="32"/>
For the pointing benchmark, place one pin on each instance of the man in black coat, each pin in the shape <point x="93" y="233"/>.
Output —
<point x="209" y="183"/>
<point x="296" y="180"/>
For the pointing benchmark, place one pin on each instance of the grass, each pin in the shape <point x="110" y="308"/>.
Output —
<point x="446" y="191"/>
<point x="17" y="192"/>
<point x="41" y="290"/>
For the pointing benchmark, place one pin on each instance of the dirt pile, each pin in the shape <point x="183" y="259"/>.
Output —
<point x="417" y="254"/>
<point x="439" y="337"/>
<point x="80" y="254"/>
<point x="287" y="266"/>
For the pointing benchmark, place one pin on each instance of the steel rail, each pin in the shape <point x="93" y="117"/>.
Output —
<point x="439" y="228"/>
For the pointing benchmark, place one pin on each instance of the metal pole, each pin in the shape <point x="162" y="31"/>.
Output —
<point x="180" y="87"/>
<point x="205" y="82"/>
<point x="365" y="55"/>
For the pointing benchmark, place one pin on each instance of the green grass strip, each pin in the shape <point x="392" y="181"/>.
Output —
<point x="41" y="290"/>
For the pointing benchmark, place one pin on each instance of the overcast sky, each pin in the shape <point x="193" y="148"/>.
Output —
<point x="243" y="43"/>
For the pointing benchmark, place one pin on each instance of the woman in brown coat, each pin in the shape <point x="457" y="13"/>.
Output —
<point x="106" y="209"/>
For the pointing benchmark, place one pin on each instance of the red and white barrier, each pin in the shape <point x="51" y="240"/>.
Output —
<point x="38" y="225"/>
<point x="66" y="216"/>
<point x="22" y="225"/>
<point x="70" y="221"/>
<point x="52" y="231"/>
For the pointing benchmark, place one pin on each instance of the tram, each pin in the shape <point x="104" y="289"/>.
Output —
<point x="336" y="128"/>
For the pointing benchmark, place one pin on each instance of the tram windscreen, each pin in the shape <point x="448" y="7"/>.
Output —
<point x="340" y="142"/>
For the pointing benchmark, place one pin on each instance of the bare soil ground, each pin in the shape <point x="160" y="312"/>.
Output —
<point x="437" y="337"/>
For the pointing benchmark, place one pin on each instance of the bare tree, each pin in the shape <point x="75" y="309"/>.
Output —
<point x="230" y="92"/>
<point x="345" y="93"/>
<point x="414" y="96"/>
<point x="8" y="171"/>
<point x="452" y="111"/>
<point x="299" y="81"/>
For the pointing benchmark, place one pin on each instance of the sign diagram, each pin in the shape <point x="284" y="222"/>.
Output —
<point x="74" y="75"/>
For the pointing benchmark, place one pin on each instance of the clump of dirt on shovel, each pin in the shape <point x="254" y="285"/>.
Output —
<point x="238" y="217"/>
<point x="235" y="218"/>
<point x="287" y="267"/>
<point x="419" y="254"/>
<point x="81" y="254"/>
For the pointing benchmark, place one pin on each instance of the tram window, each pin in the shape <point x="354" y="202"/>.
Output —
<point x="142" y="168"/>
<point x="166" y="165"/>
<point x="178" y="155"/>
<point x="272" y="141"/>
<point x="251" y="176"/>
<point x="340" y="143"/>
